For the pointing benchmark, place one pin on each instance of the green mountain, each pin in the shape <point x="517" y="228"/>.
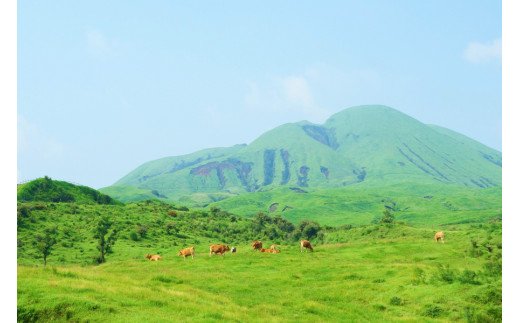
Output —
<point x="365" y="146"/>
<point x="47" y="190"/>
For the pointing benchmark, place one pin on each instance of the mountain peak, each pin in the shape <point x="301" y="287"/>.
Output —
<point x="361" y="144"/>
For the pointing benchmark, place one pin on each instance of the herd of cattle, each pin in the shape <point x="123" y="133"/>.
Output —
<point x="220" y="249"/>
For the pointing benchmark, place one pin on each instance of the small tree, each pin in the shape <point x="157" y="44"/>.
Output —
<point x="106" y="237"/>
<point x="44" y="243"/>
<point x="388" y="218"/>
<point x="170" y="228"/>
<point x="142" y="230"/>
<point x="309" y="229"/>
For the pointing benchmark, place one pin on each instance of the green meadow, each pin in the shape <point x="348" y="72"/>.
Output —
<point x="418" y="204"/>
<point x="373" y="280"/>
<point x="368" y="272"/>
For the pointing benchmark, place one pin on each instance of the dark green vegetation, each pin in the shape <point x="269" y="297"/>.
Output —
<point x="47" y="190"/>
<point x="385" y="271"/>
<point x="87" y="233"/>
<point x="367" y="147"/>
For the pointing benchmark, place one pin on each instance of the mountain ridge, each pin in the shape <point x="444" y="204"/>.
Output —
<point x="359" y="144"/>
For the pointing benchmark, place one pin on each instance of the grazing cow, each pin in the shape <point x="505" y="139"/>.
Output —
<point x="269" y="250"/>
<point x="218" y="249"/>
<point x="187" y="252"/>
<point x="233" y="249"/>
<point x="257" y="245"/>
<point x="305" y="244"/>
<point x="153" y="257"/>
<point x="439" y="235"/>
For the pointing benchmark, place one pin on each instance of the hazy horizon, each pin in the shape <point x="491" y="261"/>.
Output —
<point x="105" y="87"/>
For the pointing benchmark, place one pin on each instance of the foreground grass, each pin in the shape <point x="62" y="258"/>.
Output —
<point x="391" y="279"/>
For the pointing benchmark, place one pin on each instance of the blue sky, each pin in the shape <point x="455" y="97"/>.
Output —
<point x="105" y="86"/>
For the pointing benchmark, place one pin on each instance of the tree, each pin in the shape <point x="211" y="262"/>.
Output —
<point x="388" y="218"/>
<point x="309" y="229"/>
<point x="44" y="243"/>
<point x="170" y="228"/>
<point x="106" y="237"/>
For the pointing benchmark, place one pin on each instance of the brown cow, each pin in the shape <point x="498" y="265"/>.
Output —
<point x="439" y="235"/>
<point x="218" y="249"/>
<point x="153" y="257"/>
<point x="269" y="250"/>
<point x="187" y="252"/>
<point x="305" y="244"/>
<point x="257" y="245"/>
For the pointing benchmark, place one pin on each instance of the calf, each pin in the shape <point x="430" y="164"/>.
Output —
<point x="153" y="257"/>
<point x="269" y="250"/>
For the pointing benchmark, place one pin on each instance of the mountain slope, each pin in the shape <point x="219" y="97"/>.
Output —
<point x="371" y="145"/>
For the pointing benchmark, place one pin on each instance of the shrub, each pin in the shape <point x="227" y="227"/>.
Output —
<point x="493" y="268"/>
<point x="469" y="277"/>
<point x="142" y="230"/>
<point x="445" y="274"/>
<point x="24" y="211"/>
<point x="172" y="213"/>
<point x="170" y="228"/>
<point x="474" y="250"/>
<point x="432" y="311"/>
<point x="419" y="276"/>
<point x="396" y="301"/>
<point x="388" y="218"/>
<point x="39" y="206"/>
<point x="134" y="236"/>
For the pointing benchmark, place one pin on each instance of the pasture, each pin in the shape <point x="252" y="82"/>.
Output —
<point x="379" y="274"/>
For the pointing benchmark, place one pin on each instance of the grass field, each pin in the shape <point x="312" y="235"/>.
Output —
<point x="364" y="269"/>
<point x="422" y="205"/>
<point x="382" y="273"/>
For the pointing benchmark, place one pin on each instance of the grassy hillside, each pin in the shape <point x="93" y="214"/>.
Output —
<point x="145" y="227"/>
<point x="360" y="145"/>
<point x="377" y="272"/>
<point x="426" y="204"/>
<point x="47" y="190"/>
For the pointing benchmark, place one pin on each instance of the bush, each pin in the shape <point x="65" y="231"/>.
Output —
<point x="396" y="301"/>
<point x="24" y="211"/>
<point x="474" y="250"/>
<point x="445" y="274"/>
<point x="172" y="213"/>
<point x="142" y="230"/>
<point x="469" y="277"/>
<point x="134" y="236"/>
<point x="419" y="277"/>
<point x="388" y="218"/>
<point x="493" y="268"/>
<point x="432" y="311"/>
<point x="170" y="228"/>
